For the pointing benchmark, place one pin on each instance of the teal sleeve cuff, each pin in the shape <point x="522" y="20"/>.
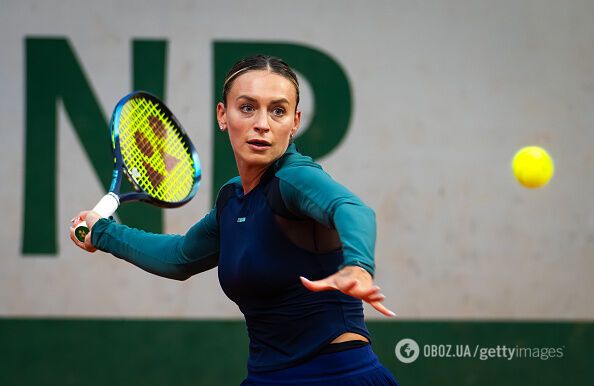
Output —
<point x="172" y="256"/>
<point x="311" y="192"/>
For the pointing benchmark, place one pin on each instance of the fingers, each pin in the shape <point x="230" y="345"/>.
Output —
<point x="75" y="240"/>
<point x="87" y="245"/>
<point x="364" y="294"/>
<point x="350" y="286"/>
<point x="347" y="286"/>
<point x="379" y="297"/>
<point x="381" y="308"/>
<point x="374" y="297"/>
<point x="71" y="232"/>
<point x="318" y="285"/>
<point x="91" y="217"/>
<point x="78" y="218"/>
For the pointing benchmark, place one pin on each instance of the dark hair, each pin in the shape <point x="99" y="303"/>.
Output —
<point x="260" y="62"/>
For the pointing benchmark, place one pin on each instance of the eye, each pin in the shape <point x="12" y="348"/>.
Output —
<point x="278" y="111"/>
<point x="247" y="108"/>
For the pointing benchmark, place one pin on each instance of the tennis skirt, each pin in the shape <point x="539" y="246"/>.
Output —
<point x="355" y="367"/>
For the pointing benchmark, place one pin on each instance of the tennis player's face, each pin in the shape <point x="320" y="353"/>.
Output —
<point x="260" y="117"/>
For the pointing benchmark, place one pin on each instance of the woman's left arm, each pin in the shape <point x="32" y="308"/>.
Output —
<point x="311" y="191"/>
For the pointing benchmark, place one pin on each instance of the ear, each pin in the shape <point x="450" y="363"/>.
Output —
<point x="296" y="122"/>
<point x="222" y="116"/>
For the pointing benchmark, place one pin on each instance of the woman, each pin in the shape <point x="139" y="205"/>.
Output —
<point x="281" y="222"/>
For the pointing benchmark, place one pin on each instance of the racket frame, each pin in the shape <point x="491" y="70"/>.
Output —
<point x="121" y="168"/>
<point x="110" y="202"/>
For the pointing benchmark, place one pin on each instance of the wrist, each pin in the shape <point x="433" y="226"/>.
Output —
<point x="357" y="265"/>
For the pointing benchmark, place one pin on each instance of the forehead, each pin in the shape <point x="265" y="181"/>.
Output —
<point x="263" y="84"/>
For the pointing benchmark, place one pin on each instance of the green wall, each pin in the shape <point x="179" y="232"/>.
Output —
<point x="172" y="352"/>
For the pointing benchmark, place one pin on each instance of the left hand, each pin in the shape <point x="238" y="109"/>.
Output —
<point x="353" y="281"/>
<point x="90" y="218"/>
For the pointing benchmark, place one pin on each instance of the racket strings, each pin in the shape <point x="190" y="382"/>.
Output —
<point x="159" y="126"/>
<point x="154" y="151"/>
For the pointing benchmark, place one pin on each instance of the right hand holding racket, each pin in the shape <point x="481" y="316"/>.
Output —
<point x="90" y="218"/>
<point x="153" y="150"/>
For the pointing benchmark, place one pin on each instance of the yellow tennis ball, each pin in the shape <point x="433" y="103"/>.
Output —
<point x="533" y="167"/>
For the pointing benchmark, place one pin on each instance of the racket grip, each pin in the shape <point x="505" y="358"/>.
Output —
<point x="104" y="208"/>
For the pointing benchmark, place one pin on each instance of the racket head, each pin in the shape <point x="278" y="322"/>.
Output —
<point x="153" y="151"/>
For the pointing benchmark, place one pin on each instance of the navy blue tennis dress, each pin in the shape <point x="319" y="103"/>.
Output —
<point x="296" y="222"/>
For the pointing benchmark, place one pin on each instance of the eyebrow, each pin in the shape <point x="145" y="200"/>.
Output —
<point x="249" y="98"/>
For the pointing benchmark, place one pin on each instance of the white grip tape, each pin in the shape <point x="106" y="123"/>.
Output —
<point x="107" y="205"/>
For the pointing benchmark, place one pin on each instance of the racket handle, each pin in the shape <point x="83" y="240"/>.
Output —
<point x="105" y="208"/>
<point x="81" y="231"/>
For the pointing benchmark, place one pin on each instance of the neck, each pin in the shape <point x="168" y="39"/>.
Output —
<point x="250" y="175"/>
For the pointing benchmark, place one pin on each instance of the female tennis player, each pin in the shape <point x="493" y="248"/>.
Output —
<point x="294" y="248"/>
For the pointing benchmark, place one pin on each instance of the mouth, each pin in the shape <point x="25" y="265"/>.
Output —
<point x="259" y="143"/>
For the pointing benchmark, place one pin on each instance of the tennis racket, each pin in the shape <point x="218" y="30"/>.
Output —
<point x="153" y="150"/>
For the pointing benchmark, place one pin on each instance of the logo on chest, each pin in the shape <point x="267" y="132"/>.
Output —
<point x="240" y="219"/>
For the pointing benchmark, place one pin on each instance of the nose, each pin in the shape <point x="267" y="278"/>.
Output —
<point x="262" y="125"/>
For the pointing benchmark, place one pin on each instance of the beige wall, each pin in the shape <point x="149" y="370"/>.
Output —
<point x="444" y="93"/>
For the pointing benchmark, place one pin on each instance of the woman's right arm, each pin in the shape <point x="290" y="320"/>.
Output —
<point x="172" y="256"/>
